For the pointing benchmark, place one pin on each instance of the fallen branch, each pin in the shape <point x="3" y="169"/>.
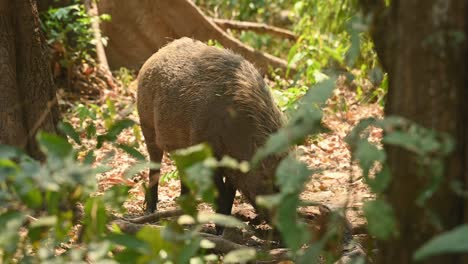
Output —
<point x="222" y="245"/>
<point x="155" y="216"/>
<point x="260" y="28"/>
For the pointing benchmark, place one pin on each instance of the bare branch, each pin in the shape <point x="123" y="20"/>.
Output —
<point x="155" y="216"/>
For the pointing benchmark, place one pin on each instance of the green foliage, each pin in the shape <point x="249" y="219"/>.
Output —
<point x="168" y="176"/>
<point x="291" y="174"/>
<point x="333" y="37"/>
<point x="304" y="121"/>
<point x="42" y="199"/>
<point x="87" y="115"/>
<point x="50" y="192"/>
<point x="125" y="76"/>
<point x="195" y="174"/>
<point x="180" y="242"/>
<point x="68" y="31"/>
<point x="454" y="241"/>
<point x="245" y="9"/>
<point x="196" y="167"/>
<point x="429" y="147"/>
<point x="381" y="219"/>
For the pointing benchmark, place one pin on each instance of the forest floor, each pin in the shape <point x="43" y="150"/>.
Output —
<point x="338" y="186"/>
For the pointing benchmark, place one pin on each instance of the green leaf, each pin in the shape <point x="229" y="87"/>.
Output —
<point x="90" y="158"/>
<point x="7" y="168"/>
<point x="220" y="219"/>
<point x="105" y="17"/>
<point x="45" y="221"/>
<point x="115" y="129"/>
<point x="195" y="166"/>
<point x="294" y="233"/>
<point x="269" y="201"/>
<point x="189" y="250"/>
<point x="243" y="255"/>
<point x="95" y="218"/>
<point x="10" y="152"/>
<point x="184" y="158"/>
<point x="381" y="180"/>
<point x="132" y="151"/>
<point x="276" y="143"/>
<point x="98" y="252"/>
<point x="404" y="139"/>
<point x="296" y="58"/>
<point x="355" y="48"/>
<point x="138" y="167"/>
<point x="54" y="145"/>
<point x="10" y="223"/>
<point x="231" y="163"/>
<point x="367" y="154"/>
<point x="118" y="127"/>
<point x="128" y="241"/>
<point x="291" y="175"/>
<point x="68" y="129"/>
<point x="111" y="106"/>
<point x="354" y="136"/>
<point x="32" y="198"/>
<point x="100" y="140"/>
<point x="116" y="196"/>
<point x="199" y="178"/>
<point x="153" y="238"/>
<point x="451" y="242"/>
<point x="380" y="218"/>
<point x="90" y="130"/>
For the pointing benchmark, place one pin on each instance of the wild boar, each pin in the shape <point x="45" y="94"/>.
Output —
<point x="189" y="93"/>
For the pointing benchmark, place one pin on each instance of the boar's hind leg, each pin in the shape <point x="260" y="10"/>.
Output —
<point x="155" y="155"/>
<point x="225" y="199"/>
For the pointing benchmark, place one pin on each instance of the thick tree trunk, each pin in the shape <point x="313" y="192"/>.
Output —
<point x="423" y="47"/>
<point x="27" y="92"/>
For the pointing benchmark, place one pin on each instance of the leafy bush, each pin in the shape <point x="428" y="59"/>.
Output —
<point x="68" y="32"/>
<point x="42" y="205"/>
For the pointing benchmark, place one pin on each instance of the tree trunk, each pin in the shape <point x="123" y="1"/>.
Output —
<point x="27" y="93"/>
<point x="423" y="46"/>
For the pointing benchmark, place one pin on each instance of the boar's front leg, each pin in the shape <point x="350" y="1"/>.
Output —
<point x="225" y="199"/>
